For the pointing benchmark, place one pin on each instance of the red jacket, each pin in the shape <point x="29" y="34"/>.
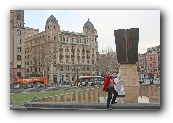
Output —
<point x="106" y="83"/>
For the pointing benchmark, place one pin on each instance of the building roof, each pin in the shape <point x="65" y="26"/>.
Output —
<point x="88" y="25"/>
<point x="51" y="19"/>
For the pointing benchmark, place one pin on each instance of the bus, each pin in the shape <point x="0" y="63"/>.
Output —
<point x="33" y="82"/>
<point x="89" y="80"/>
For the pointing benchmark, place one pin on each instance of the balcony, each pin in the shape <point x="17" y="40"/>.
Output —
<point x="83" y="50"/>
<point x="87" y="51"/>
<point x="72" y="50"/>
<point x="88" y="57"/>
<point x="60" y="49"/>
<point x="72" y="56"/>
<point x="83" y="57"/>
<point x="61" y="56"/>
<point x="67" y="56"/>
<point x="67" y="50"/>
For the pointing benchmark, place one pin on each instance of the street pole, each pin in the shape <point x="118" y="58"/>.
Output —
<point x="77" y="76"/>
<point x="47" y="69"/>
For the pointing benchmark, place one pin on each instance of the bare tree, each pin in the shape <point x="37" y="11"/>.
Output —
<point x="108" y="61"/>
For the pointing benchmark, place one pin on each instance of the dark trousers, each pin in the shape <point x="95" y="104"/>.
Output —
<point x="110" y="92"/>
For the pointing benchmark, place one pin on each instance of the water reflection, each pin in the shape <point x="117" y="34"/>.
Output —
<point x="141" y="94"/>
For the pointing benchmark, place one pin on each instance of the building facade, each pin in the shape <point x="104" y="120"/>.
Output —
<point x="61" y="55"/>
<point x="17" y="43"/>
<point x="142" y="63"/>
<point x="153" y="60"/>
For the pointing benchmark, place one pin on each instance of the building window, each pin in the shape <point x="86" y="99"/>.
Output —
<point x="92" y="50"/>
<point x="18" y="32"/>
<point x="54" y="68"/>
<point x="67" y="39"/>
<point x="61" y="68"/>
<point x="54" y="38"/>
<point x="72" y="78"/>
<point x="19" y="57"/>
<point x="61" y="60"/>
<point x="92" y="55"/>
<point x="67" y="68"/>
<point x="19" y="74"/>
<point x="18" y="16"/>
<point x="18" y="49"/>
<point x="61" y="38"/>
<point x="92" y="61"/>
<point x="18" y="66"/>
<point x="88" y="61"/>
<point x="18" y="25"/>
<point x="19" y="41"/>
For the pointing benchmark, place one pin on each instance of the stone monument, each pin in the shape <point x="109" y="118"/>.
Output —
<point x="127" y="54"/>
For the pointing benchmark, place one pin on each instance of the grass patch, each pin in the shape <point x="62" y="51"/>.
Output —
<point x="20" y="98"/>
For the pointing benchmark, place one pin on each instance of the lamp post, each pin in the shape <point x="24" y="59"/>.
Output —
<point x="85" y="71"/>
<point x="34" y="65"/>
<point x="77" y="69"/>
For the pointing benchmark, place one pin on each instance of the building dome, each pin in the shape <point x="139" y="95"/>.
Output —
<point x="51" y="19"/>
<point x="88" y="25"/>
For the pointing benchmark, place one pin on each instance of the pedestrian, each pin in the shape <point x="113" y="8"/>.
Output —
<point x="109" y="87"/>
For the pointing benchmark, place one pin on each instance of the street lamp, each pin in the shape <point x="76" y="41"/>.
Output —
<point x="34" y="65"/>
<point x="77" y="69"/>
<point x="85" y="71"/>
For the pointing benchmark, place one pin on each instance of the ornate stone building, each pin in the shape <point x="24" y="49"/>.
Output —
<point x="17" y="43"/>
<point x="61" y="55"/>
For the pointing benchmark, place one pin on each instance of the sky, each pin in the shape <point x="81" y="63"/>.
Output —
<point x="105" y="22"/>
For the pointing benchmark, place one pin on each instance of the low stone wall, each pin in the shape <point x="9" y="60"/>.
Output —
<point x="151" y="91"/>
<point x="96" y="95"/>
<point x="84" y="96"/>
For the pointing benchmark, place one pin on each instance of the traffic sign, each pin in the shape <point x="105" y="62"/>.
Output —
<point x="59" y="75"/>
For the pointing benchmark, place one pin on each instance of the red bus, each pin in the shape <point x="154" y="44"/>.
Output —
<point x="89" y="80"/>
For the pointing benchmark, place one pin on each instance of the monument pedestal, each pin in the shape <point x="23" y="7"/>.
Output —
<point x="130" y="81"/>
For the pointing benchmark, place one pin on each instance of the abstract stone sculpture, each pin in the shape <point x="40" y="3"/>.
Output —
<point x="127" y="45"/>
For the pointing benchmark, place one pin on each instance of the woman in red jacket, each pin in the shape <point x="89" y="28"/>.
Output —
<point x="109" y="87"/>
